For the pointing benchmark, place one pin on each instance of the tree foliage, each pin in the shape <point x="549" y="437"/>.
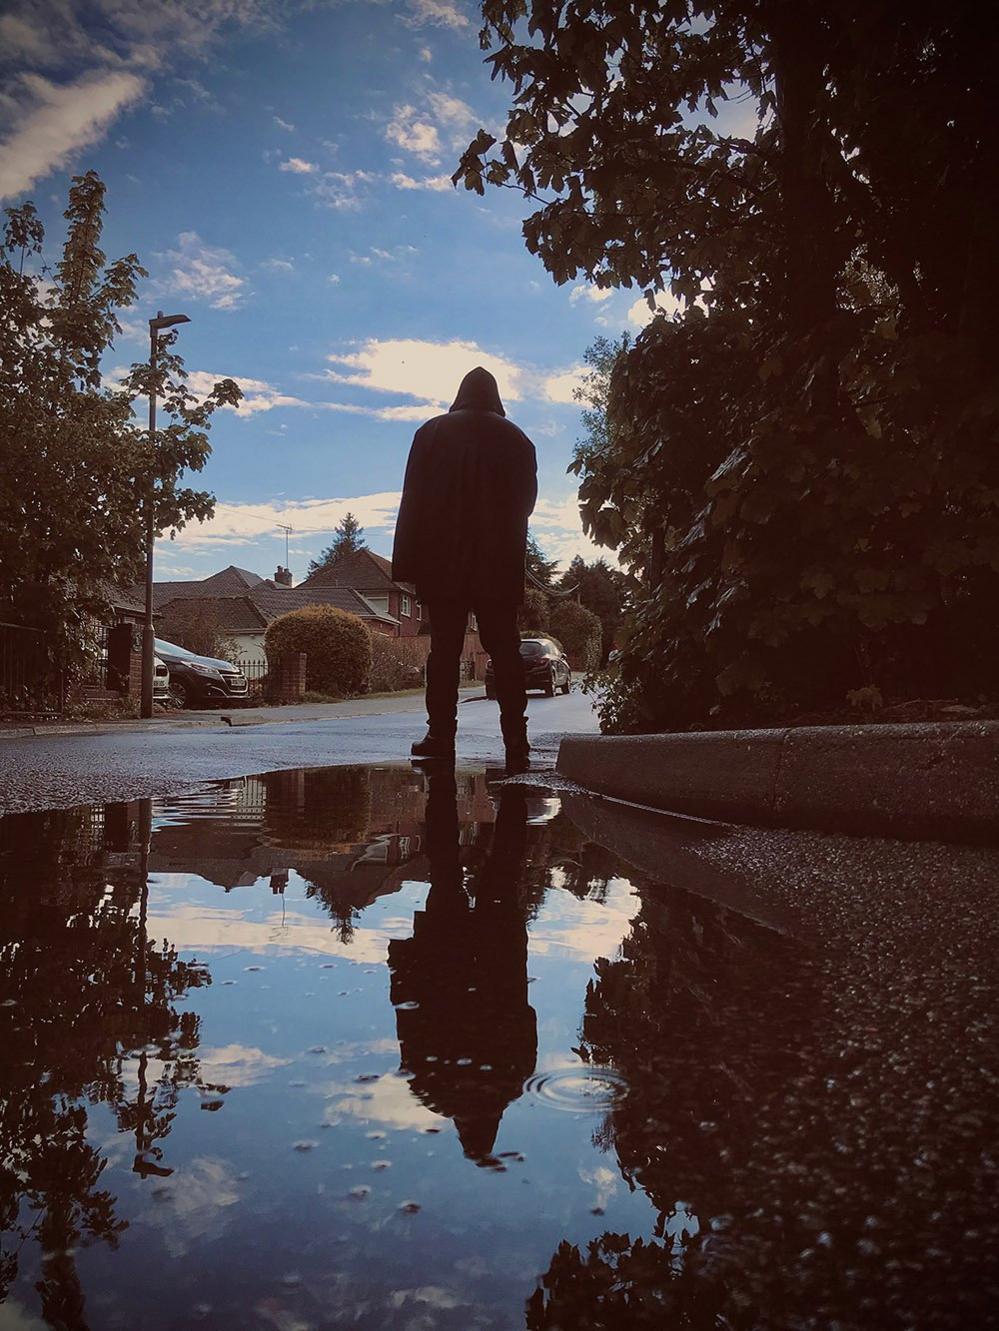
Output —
<point x="800" y="467"/>
<point x="602" y="590"/>
<point x="540" y="569"/>
<point x="78" y="464"/>
<point x="348" y="538"/>
<point x="579" y="631"/>
<point x="337" y="644"/>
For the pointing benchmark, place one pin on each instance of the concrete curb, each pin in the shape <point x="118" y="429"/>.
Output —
<point x="934" y="780"/>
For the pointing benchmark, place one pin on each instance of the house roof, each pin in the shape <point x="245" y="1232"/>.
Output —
<point x="125" y="601"/>
<point x="252" y="612"/>
<point x="363" y="570"/>
<point x="229" y="614"/>
<point x="274" y="601"/>
<point x="230" y="581"/>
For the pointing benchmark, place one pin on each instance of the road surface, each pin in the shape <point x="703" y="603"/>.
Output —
<point x="60" y="770"/>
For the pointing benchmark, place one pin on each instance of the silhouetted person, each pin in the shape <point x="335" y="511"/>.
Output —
<point x="461" y="537"/>
<point x="472" y="1041"/>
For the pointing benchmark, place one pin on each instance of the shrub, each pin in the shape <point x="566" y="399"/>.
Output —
<point x="395" y="664"/>
<point x="580" y="632"/>
<point x="337" y="644"/>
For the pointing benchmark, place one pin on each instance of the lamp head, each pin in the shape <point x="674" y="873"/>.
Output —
<point x="166" y="321"/>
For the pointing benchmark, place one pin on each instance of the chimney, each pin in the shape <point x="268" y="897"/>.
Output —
<point x="283" y="576"/>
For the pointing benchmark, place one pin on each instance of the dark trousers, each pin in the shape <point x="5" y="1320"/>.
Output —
<point x="501" y="639"/>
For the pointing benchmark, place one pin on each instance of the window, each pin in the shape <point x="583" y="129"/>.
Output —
<point x="419" y="610"/>
<point x="406" y="608"/>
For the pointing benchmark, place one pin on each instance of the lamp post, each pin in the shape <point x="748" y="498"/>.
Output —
<point x="156" y="326"/>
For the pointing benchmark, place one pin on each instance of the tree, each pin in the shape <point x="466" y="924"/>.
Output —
<point x="579" y="632"/>
<point x="78" y="466"/>
<point x="348" y="538"/>
<point x="602" y="590"/>
<point x="799" y="466"/>
<point x="540" y="569"/>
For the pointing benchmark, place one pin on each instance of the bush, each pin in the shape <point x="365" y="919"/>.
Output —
<point x="337" y="644"/>
<point x="580" y="632"/>
<point x="395" y="664"/>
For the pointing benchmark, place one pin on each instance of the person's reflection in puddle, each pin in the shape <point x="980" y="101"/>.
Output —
<point x="471" y="1040"/>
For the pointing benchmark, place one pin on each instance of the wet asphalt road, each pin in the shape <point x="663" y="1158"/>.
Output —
<point x="57" y="771"/>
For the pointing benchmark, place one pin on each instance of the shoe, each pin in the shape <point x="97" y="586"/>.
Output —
<point x="517" y="761"/>
<point x="434" y="746"/>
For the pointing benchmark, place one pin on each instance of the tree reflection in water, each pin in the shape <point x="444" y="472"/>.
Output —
<point x="87" y="1017"/>
<point x="706" y="1015"/>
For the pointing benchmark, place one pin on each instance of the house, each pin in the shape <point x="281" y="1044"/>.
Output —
<point x="239" y="605"/>
<point x="371" y="576"/>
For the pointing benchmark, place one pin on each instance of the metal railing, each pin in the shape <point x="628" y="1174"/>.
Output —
<point x="31" y="681"/>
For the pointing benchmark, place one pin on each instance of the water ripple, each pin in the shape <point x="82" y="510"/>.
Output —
<point x="581" y="1090"/>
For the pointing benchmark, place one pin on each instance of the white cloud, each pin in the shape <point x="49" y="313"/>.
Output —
<point x="562" y="387"/>
<point x="427" y="371"/>
<point x="343" y="190"/>
<point x="639" y="314"/>
<point x="279" y="265"/>
<point x="586" y="292"/>
<point x="258" y="395"/>
<point x="299" y="166"/>
<point x="419" y="137"/>
<point x="55" y="121"/>
<point x="286" y="125"/>
<point x="120" y="44"/>
<point x="426" y="55"/>
<point x="242" y="524"/>
<point x="557" y="525"/>
<point x="203" y="273"/>
<point x="334" y="279"/>
<point x="401" y="181"/>
<point x="441" y="13"/>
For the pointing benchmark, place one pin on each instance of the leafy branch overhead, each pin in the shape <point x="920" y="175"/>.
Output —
<point x="800" y="466"/>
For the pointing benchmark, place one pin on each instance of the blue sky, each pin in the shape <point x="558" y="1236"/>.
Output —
<point x="282" y="171"/>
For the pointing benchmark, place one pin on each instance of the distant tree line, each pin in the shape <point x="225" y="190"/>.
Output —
<point x="800" y="465"/>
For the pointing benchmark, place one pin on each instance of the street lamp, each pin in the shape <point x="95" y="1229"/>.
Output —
<point x="156" y="326"/>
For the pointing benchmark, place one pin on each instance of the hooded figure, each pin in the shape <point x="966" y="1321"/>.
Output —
<point x="461" y="537"/>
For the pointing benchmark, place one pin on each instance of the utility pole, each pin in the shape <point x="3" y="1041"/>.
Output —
<point x="156" y="326"/>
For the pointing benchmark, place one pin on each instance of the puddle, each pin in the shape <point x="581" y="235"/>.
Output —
<point x="332" y="1048"/>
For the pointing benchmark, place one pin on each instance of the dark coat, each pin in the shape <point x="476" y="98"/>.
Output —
<point x="471" y="482"/>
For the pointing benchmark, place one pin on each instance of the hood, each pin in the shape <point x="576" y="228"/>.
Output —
<point x="478" y="392"/>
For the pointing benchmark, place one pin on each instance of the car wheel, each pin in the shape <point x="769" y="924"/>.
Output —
<point x="567" y="685"/>
<point x="180" y="694"/>
<point x="550" y="686"/>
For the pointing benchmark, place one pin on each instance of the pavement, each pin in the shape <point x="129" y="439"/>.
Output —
<point x="69" y="765"/>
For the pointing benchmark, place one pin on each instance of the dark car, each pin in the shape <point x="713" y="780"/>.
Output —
<point x="545" y="667"/>
<point x="196" y="679"/>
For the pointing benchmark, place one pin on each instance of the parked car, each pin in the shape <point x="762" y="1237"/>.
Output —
<point x="197" y="679"/>
<point x="161" y="681"/>
<point x="545" y="667"/>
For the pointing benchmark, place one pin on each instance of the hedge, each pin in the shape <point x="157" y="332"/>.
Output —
<point x="336" y="643"/>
